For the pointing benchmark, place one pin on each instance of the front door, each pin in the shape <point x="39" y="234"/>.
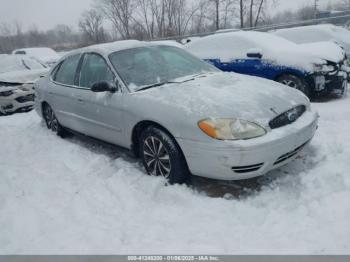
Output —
<point x="100" y="112"/>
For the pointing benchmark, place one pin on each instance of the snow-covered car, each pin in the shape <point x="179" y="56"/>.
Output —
<point x="315" y="69"/>
<point x="317" y="33"/>
<point x="44" y="54"/>
<point x="17" y="77"/>
<point x="178" y="113"/>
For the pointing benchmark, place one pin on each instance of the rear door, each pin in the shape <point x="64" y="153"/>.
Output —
<point x="63" y="93"/>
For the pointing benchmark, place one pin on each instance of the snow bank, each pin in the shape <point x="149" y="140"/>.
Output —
<point x="78" y="196"/>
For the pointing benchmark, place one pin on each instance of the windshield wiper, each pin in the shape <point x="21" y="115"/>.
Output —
<point x="152" y="86"/>
<point x="162" y="84"/>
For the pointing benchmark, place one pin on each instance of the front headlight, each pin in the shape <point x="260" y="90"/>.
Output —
<point x="6" y="93"/>
<point x="324" y="68"/>
<point x="231" y="129"/>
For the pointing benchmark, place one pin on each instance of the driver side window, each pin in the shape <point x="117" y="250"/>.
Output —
<point x="94" y="69"/>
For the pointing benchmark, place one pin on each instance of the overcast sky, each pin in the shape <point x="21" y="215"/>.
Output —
<point x="45" y="14"/>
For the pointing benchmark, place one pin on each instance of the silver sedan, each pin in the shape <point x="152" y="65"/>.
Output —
<point x="178" y="114"/>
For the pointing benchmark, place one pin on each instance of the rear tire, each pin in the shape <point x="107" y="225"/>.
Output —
<point x="52" y="122"/>
<point x="161" y="156"/>
<point x="295" y="82"/>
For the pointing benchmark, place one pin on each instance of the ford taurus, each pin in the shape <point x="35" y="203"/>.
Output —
<point x="179" y="114"/>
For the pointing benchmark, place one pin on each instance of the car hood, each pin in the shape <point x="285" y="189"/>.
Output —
<point x="225" y="95"/>
<point x="329" y="51"/>
<point x="23" y="76"/>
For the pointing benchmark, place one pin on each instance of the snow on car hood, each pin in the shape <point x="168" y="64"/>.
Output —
<point x="23" y="76"/>
<point x="329" y="51"/>
<point x="226" y="95"/>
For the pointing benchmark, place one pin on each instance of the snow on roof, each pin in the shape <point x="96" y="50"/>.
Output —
<point x="43" y="53"/>
<point x="168" y="43"/>
<point x="314" y="33"/>
<point x="236" y="45"/>
<point x="112" y="47"/>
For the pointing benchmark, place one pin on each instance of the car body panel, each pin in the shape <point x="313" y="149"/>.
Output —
<point x="178" y="107"/>
<point x="20" y="84"/>
<point x="279" y="56"/>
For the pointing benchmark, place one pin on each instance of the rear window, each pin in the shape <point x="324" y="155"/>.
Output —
<point x="67" y="70"/>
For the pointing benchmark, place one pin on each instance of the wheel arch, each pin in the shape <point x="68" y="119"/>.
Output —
<point x="143" y="125"/>
<point x="290" y="72"/>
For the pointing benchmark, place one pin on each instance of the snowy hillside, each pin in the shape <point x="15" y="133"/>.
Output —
<point x="80" y="196"/>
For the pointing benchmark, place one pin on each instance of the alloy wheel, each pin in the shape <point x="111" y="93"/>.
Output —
<point x="50" y="119"/>
<point x="156" y="157"/>
<point x="289" y="83"/>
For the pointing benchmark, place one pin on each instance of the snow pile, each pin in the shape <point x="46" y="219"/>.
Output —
<point x="78" y="196"/>
<point x="236" y="45"/>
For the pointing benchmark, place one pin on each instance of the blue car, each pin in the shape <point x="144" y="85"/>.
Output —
<point x="315" y="69"/>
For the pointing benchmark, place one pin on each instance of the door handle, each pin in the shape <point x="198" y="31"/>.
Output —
<point x="80" y="100"/>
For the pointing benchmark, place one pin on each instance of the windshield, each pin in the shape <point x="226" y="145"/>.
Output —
<point x="10" y="63"/>
<point x="140" y="67"/>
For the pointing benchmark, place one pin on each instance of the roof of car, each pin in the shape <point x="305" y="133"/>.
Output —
<point x="112" y="47"/>
<point x="307" y="27"/>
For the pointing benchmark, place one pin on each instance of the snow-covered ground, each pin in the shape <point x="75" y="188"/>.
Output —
<point x="80" y="196"/>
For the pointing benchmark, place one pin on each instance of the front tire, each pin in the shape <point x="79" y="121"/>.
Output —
<point x="161" y="156"/>
<point x="295" y="82"/>
<point x="52" y="122"/>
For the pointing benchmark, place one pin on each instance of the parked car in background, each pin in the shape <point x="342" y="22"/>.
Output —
<point x="178" y="113"/>
<point x="17" y="76"/>
<point x="317" y="33"/>
<point x="315" y="69"/>
<point x="43" y="54"/>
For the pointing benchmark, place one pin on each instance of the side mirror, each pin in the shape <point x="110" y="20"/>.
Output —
<point x="255" y="53"/>
<point x="104" y="86"/>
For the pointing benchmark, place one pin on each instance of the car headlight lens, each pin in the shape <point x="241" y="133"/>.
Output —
<point x="324" y="68"/>
<point x="231" y="129"/>
<point x="6" y="93"/>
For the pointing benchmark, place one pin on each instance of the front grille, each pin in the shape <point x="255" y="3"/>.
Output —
<point x="247" y="169"/>
<point x="290" y="154"/>
<point x="24" y="99"/>
<point x="7" y="107"/>
<point x="288" y="117"/>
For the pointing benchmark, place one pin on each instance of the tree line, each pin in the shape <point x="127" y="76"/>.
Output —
<point x="110" y="20"/>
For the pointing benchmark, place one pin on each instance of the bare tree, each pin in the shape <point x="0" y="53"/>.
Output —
<point x="241" y="13"/>
<point x="120" y="13"/>
<point x="91" y="25"/>
<point x="305" y="13"/>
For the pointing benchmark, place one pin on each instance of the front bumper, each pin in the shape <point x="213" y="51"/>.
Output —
<point x="20" y="101"/>
<point x="332" y="82"/>
<point x="235" y="160"/>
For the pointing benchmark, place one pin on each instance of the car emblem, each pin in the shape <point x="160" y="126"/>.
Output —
<point x="292" y="115"/>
